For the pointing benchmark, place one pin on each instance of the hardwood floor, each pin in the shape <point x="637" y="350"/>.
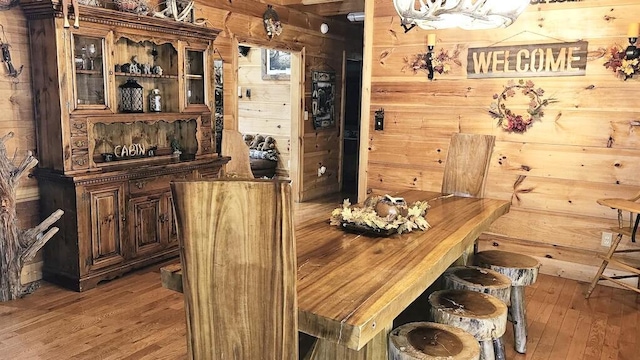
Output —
<point x="133" y="317"/>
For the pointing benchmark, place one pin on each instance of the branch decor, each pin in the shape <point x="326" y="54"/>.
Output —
<point x="382" y="215"/>
<point x="512" y="122"/>
<point x="622" y="67"/>
<point x="442" y="62"/>
<point x="17" y="246"/>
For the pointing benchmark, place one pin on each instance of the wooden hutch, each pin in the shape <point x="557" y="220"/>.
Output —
<point x="109" y="170"/>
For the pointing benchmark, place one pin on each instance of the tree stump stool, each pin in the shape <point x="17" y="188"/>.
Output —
<point x="431" y="341"/>
<point x="482" y="280"/>
<point x="481" y="315"/>
<point x="523" y="271"/>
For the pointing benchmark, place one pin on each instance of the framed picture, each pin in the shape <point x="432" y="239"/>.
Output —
<point x="276" y="64"/>
<point x="323" y="99"/>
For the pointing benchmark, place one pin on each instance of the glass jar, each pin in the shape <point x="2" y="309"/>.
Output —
<point x="155" y="103"/>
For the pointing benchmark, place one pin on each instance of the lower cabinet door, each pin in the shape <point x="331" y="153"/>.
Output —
<point x="169" y="222"/>
<point x="106" y="209"/>
<point x="146" y="230"/>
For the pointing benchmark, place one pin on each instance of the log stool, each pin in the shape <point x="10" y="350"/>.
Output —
<point x="523" y="271"/>
<point x="431" y="341"/>
<point x="482" y="280"/>
<point x="481" y="315"/>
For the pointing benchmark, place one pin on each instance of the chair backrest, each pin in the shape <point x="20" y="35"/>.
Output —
<point x="467" y="165"/>
<point x="239" y="268"/>
<point x="234" y="146"/>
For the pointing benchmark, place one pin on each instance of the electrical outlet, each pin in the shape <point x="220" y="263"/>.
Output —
<point x="607" y="237"/>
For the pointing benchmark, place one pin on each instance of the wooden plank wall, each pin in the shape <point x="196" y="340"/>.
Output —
<point x="586" y="147"/>
<point x="268" y="111"/>
<point x="241" y="22"/>
<point x="16" y="104"/>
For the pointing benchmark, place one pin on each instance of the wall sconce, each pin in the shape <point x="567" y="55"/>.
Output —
<point x="632" y="51"/>
<point x="431" y="42"/>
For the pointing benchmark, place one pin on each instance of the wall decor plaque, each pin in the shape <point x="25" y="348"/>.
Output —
<point x="530" y="60"/>
<point x="323" y="99"/>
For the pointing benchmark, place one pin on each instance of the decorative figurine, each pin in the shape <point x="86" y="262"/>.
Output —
<point x="157" y="70"/>
<point x="76" y="13"/>
<point x="272" y="23"/>
<point x="175" y="146"/>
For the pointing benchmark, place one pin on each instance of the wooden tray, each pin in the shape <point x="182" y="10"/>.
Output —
<point x="362" y="229"/>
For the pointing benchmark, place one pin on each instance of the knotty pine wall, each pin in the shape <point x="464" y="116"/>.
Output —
<point x="586" y="147"/>
<point x="268" y="111"/>
<point x="241" y="22"/>
<point x="16" y="104"/>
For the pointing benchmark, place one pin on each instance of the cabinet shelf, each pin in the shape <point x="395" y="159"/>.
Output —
<point x="146" y="75"/>
<point x="194" y="77"/>
<point x="89" y="72"/>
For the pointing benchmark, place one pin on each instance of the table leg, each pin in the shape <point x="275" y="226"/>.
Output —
<point x="376" y="349"/>
<point x="467" y="256"/>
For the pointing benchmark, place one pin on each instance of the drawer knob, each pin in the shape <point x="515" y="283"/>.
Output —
<point x="140" y="184"/>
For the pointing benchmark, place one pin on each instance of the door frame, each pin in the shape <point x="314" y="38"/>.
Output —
<point x="297" y="99"/>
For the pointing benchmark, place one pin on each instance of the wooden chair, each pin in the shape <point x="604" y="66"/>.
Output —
<point x="239" y="268"/>
<point x="465" y="171"/>
<point x="624" y="228"/>
<point x="467" y="164"/>
<point x="234" y="146"/>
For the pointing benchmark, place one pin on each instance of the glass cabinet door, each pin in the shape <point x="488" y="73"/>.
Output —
<point x="194" y="75"/>
<point x="89" y="66"/>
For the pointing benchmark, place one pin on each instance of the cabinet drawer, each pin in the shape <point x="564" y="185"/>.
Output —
<point x="79" y="143"/>
<point x="145" y="185"/>
<point x="80" y="160"/>
<point x="206" y="141"/>
<point x="78" y="128"/>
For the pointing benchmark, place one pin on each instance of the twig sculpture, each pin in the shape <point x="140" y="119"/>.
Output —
<point x="17" y="246"/>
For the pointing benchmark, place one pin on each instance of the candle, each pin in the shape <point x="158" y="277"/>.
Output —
<point x="431" y="39"/>
<point x="633" y="30"/>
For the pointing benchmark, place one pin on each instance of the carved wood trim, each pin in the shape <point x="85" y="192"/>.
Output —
<point x="49" y="9"/>
<point x="133" y="174"/>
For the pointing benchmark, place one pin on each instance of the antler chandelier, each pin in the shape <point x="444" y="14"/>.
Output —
<point x="465" y="14"/>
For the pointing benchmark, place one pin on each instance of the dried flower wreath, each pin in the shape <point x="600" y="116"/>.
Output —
<point x="510" y="121"/>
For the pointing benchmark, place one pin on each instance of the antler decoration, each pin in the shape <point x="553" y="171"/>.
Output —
<point x="6" y="56"/>
<point x="465" y="14"/>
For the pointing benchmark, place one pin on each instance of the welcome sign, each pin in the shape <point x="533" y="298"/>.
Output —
<point x="533" y="60"/>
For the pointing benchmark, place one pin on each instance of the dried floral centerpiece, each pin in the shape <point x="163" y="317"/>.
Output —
<point x="382" y="215"/>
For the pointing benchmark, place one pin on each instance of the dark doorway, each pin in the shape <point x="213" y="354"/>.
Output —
<point x="353" y="92"/>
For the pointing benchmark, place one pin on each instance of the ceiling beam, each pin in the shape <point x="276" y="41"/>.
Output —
<point x="305" y="2"/>
<point x="316" y="2"/>
<point x="333" y="8"/>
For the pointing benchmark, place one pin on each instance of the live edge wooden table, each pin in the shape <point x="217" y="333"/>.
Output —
<point x="352" y="286"/>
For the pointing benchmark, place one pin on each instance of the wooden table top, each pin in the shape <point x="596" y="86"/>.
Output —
<point x="352" y="286"/>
